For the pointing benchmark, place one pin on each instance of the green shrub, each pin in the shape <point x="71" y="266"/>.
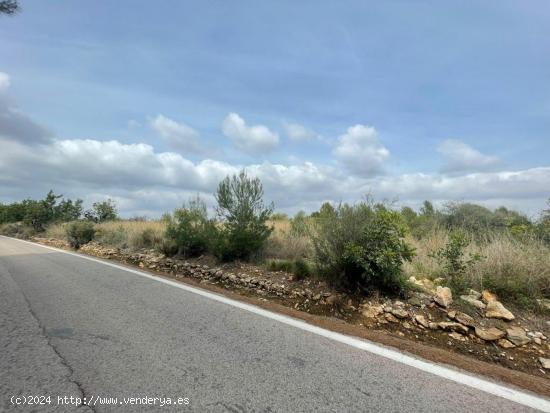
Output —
<point x="190" y="230"/>
<point x="454" y="260"/>
<point x="280" y="265"/>
<point x="79" y="233"/>
<point x="168" y="247"/>
<point x="299" y="225"/>
<point x="301" y="269"/>
<point x="279" y="216"/>
<point x="243" y="217"/>
<point x="362" y="246"/>
<point x="17" y="230"/>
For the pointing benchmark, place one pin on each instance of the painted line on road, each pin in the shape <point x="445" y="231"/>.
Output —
<point x="478" y="383"/>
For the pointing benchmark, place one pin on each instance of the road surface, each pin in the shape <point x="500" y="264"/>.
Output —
<point x="74" y="327"/>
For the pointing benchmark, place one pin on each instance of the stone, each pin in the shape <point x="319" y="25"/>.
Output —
<point x="424" y="284"/>
<point x="474" y="293"/>
<point x="372" y="311"/>
<point x="505" y="343"/>
<point x="457" y="336"/>
<point x="544" y="303"/>
<point x="451" y="314"/>
<point x="473" y="300"/>
<point x="490" y="334"/>
<point x="399" y="313"/>
<point x="488" y="296"/>
<point x="453" y="327"/>
<point x="382" y="320"/>
<point x="443" y="296"/>
<point x="545" y="363"/>
<point x="407" y="325"/>
<point x="414" y="300"/>
<point x="517" y="336"/>
<point x="465" y="319"/>
<point x="536" y="334"/>
<point x="537" y="341"/>
<point x="332" y="299"/>
<point x="495" y="309"/>
<point x="391" y="318"/>
<point x="420" y="319"/>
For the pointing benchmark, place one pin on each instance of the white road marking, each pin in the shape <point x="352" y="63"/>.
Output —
<point x="478" y="383"/>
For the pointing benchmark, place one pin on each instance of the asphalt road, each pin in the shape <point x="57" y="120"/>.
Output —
<point x="70" y="326"/>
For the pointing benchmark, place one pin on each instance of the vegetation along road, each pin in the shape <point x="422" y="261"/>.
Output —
<point x="78" y="327"/>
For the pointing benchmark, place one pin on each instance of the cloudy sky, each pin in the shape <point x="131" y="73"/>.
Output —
<point x="149" y="103"/>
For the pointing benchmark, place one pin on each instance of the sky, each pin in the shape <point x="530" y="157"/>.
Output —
<point x="152" y="103"/>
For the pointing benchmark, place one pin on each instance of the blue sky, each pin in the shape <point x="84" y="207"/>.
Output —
<point x="322" y="100"/>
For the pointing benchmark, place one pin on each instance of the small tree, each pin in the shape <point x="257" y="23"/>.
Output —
<point x="243" y="215"/>
<point x="102" y="211"/>
<point x="362" y="246"/>
<point x="189" y="228"/>
<point x="453" y="258"/>
<point x="67" y="210"/>
<point x="79" y="233"/>
<point x="40" y="213"/>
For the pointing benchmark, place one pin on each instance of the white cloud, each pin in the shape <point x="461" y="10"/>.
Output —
<point x="145" y="181"/>
<point x="298" y="133"/>
<point x="460" y="157"/>
<point x="138" y="174"/>
<point x="250" y="139"/>
<point x="4" y="81"/>
<point x="360" y="150"/>
<point x="177" y="135"/>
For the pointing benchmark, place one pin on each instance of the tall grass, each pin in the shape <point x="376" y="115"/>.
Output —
<point x="515" y="268"/>
<point x="284" y="244"/>
<point x="120" y="234"/>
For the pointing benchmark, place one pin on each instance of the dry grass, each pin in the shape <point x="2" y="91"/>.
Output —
<point x="56" y="231"/>
<point x="130" y="234"/>
<point x="514" y="268"/>
<point x="120" y="234"/>
<point x="283" y="244"/>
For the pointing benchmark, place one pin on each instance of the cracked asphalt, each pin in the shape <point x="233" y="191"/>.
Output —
<point x="70" y="326"/>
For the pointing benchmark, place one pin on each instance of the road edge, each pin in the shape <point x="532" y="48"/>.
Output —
<point x="448" y="372"/>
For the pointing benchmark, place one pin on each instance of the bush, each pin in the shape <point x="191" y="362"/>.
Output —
<point x="362" y="246"/>
<point x="79" y="233"/>
<point x="280" y="265"/>
<point x="279" y="216"/>
<point x="17" y="230"/>
<point x="299" y="267"/>
<point x="299" y="225"/>
<point x="243" y="216"/>
<point x="454" y="261"/>
<point x="190" y="230"/>
<point x="146" y="238"/>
